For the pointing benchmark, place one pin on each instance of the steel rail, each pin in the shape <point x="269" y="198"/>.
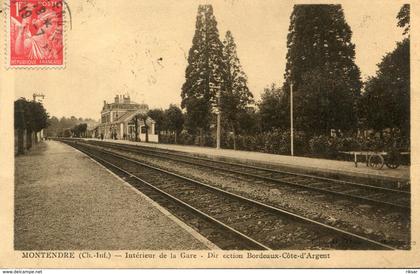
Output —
<point x="276" y="180"/>
<point x="182" y="203"/>
<point x="277" y="210"/>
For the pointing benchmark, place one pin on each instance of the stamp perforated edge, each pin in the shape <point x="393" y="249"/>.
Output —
<point x="6" y="24"/>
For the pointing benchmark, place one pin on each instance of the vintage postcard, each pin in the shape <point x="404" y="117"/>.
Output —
<point x="209" y="134"/>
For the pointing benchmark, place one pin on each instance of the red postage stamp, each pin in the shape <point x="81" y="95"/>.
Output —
<point x="35" y="33"/>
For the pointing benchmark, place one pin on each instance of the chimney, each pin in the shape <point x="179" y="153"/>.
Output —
<point x="104" y="103"/>
<point x="117" y="99"/>
<point x="126" y="99"/>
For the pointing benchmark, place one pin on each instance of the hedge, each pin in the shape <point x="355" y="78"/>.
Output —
<point x="278" y="142"/>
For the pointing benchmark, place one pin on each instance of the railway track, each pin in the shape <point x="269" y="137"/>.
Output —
<point x="231" y="221"/>
<point x="385" y="197"/>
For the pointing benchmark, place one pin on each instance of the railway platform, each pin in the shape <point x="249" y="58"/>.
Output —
<point x="321" y="167"/>
<point x="65" y="200"/>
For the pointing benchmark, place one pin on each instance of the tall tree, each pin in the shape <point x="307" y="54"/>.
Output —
<point x="386" y="100"/>
<point x="320" y="64"/>
<point x="236" y="95"/>
<point x="404" y="18"/>
<point x="203" y="76"/>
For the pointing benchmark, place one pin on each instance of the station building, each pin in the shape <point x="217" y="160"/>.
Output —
<point x="118" y="121"/>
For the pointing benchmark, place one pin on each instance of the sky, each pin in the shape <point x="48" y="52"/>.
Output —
<point x="115" y="47"/>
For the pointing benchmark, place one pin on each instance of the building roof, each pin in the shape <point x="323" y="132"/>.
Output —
<point x="123" y="102"/>
<point x="128" y="116"/>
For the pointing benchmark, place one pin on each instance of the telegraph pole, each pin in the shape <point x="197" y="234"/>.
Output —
<point x="291" y="118"/>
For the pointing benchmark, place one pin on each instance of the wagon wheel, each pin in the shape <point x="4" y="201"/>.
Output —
<point x="392" y="160"/>
<point x="376" y="161"/>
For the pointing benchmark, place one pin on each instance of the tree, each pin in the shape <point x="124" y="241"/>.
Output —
<point x="83" y="129"/>
<point x="404" y="18"/>
<point x="20" y="123"/>
<point x="386" y="100"/>
<point x="174" y="120"/>
<point x="38" y="116"/>
<point x="75" y="131"/>
<point x="143" y="117"/>
<point x="273" y="109"/>
<point x="30" y="116"/>
<point x="322" y="103"/>
<point x="79" y="130"/>
<point x="203" y="75"/>
<point x="158" y="115"/>
<point x="135" y="120"/>
<point x="236" y="95"/>
<point x="53" y="128"/>
<point x="57" y="126"/>
<point x="250" y="121"/>
<point x="320" y="63"/>
<point x="67" y="132"/>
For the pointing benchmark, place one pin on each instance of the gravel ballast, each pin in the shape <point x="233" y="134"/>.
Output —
<point x="363" y="219"/>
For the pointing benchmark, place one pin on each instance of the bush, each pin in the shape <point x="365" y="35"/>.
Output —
<point x="348" y="144"/>
<point x="275" y="142"/>
<point x="372" y="144"/>
<point x="323" y="146"/>
<point x="209" y="141"/>
<point x="185" y="138"/>
<point x="278" y="142"/>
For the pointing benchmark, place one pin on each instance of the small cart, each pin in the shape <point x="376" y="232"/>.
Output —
<point x="377" y="160"/>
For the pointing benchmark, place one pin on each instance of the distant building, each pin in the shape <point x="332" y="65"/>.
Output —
<point x="118" y="121"/>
